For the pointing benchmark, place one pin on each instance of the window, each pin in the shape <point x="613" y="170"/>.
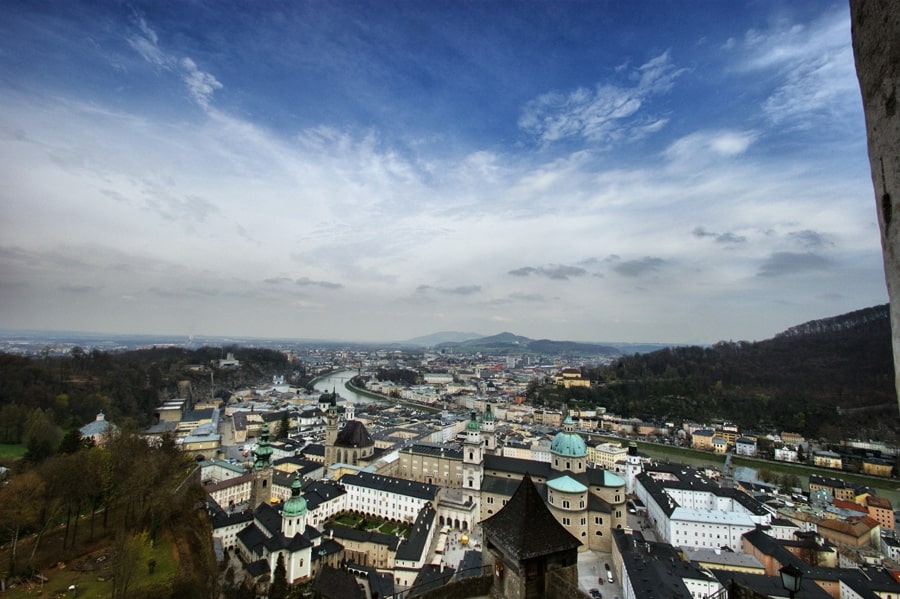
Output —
<point x="490" y="500"/>
<point x="566" y="522"/>
<point x="566" y="503"/>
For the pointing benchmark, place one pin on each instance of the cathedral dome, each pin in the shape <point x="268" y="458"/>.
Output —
<point x="568" y="443"/>
<point x="296" y="505"/>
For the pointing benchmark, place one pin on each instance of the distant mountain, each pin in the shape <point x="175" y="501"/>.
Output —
<point x="441" y="338"/>
<point x="509" y="343"/>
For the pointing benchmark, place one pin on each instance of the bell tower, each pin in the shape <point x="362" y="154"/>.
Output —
<point x="473" y="461"/>
<point x="261" y="484"/>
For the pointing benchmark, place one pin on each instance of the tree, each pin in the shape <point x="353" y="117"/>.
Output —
<point x="129" y="550"/>
<point x="280" y="587"/>
<point x="12" y="423"/>
<point x="284" y="426"/>
<point x="19" y="510"/>
<point x="40" y="429"/>
<point x="71" y="442"/>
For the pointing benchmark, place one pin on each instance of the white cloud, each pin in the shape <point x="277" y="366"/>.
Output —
<point x="702" y="146"/>
<point x="812" y="67"/>
<point x="605" y="114"/>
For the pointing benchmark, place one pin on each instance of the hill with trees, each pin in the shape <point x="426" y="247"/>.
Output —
<point x="830" y="378"/>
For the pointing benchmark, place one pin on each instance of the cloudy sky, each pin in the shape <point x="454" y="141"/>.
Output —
<point x="596" y="171"/>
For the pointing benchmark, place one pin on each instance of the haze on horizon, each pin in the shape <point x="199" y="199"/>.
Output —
<point x="590" y="171"/>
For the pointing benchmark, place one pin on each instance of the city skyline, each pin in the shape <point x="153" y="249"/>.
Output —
<point x="658" y="172"/>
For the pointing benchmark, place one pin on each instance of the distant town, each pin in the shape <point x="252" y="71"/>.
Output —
<point x="395" y="472"/>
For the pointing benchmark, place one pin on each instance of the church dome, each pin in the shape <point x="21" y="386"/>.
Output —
<point x="295" y="505"/>
<point x="568" y="443"/>
<point x="473" y="424"/>
<point x="354" y="434"/>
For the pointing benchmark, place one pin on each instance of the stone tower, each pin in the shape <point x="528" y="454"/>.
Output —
<point x="261" y="483"/>
<point x="473" y="458"/>
<point x="487" y="430"/>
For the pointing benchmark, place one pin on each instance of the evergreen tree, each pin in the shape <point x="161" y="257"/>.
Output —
<point x="280" y="586"/>
<point x="284" y="426"/>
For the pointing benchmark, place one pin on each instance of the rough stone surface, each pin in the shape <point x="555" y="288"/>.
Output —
<point x="875" y="27"/>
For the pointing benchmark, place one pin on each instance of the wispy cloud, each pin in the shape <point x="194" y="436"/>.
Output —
<point x="559" y="272"/>
<point x="639" y="267"/>
<point x="200" y="84"/>
<point x="789" y="263"/>
<point x="726" y="238"/>
<point x="605" y="114"/>
<point x="810" y="239"/>
<point x="460" y="290"/>
<point x="306" y="282"/>
<point x="813" y="67"/>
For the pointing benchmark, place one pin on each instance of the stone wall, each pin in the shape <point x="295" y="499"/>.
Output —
<point x="477" y="586"/>
<point x="562" y="583"/>
<point x="875" y="27"/>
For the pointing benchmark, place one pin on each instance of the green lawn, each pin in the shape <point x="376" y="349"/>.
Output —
<point x="11" y="451"/>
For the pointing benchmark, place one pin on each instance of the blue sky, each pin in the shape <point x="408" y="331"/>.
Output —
<point x="596" y="171"/>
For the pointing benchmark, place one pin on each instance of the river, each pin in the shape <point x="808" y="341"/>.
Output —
<point x="336" y="381"/>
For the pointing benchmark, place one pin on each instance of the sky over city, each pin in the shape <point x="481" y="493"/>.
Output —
<point x="678" y="172"/>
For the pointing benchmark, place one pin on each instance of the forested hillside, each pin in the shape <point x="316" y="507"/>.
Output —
<point x="831" y="378"/>
<point x="38" y="397"/>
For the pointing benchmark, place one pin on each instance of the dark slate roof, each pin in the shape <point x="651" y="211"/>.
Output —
<point x="269" y="518"/>
<point x="318" y="492"/>
<point x="253" y="539"/>
<point x="769" y="586"/>
<point x="525" y="528"/>
<point x="325" y="548"/>
<point x="201" y="414"/>
<point x="316" y="449"/>
<point x="469" y="565"/>
<point x="430" y="578"/>
<point x="435" y="449"/>
<point x="336" y="584"/>
<point x="219" y="518"/>
<point x="354" y="434"/>
<point x="411" y="549"/>
<point x="279" y="542"/>
<point x="517" y="465"/>
<point x="257" y="568"/>
<point x="390" y="484"/>
<point x="381" y="584"/>
<point x="655" y="570"/>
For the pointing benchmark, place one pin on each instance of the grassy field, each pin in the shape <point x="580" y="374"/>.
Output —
<point x="11" y="451"/>
<point x="92" y="578"/>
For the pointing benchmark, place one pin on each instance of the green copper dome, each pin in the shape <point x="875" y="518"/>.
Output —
<point x="473" y="424"/>
<point x="296" y="505"/>
<point x="568" y="443"/>
<point x="488" y="414"/>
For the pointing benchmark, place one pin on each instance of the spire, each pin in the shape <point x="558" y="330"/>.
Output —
<point x="264" y="451"/>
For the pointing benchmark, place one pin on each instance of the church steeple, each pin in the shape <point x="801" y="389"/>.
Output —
<point x="264" y="451"/>
<point x="261" y="484"/>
